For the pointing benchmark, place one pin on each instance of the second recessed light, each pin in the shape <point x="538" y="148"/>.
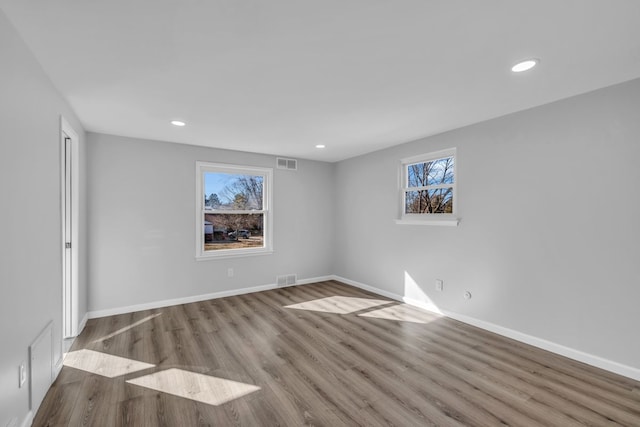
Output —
<point x="178" y="123"/>
<point x="320" y="146"/>
<point x="525" y="65"/>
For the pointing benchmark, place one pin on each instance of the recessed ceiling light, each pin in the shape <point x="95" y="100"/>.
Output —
<point x="525" y="65"/>
<point x="178" y="123"/>
<point x="320" y="146"/>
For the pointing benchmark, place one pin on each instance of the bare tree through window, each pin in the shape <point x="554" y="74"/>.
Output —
<point x="234" y="213"/>
<point x="429" y="186"/>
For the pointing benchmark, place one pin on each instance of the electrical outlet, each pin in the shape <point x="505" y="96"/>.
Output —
<point x="439" y="285"/>
<point x="229" y="272"/>
<point x="22" y="374"/>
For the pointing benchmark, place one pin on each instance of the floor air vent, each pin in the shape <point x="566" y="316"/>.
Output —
<point x="287" y="280"/>
<point x="289" y="164"/>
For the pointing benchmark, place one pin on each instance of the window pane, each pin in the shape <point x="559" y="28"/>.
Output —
<point x="228" y="191"/>
<point x="434" y="172"/>
<point x="429" y="201"/>
<point x="233" y="231"/>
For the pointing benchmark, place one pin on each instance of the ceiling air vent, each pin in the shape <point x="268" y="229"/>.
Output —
<point x="290" y="164"/>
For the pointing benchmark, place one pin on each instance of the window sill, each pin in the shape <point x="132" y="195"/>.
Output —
<point x="442" y="222"/>
<point x="230" y="254"/>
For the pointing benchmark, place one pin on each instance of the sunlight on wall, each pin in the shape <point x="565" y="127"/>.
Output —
<point x="191" y="385"/>
<point x="126" y="328"/>
<point x="403" y="313"/>
<point x="415" y="295"/>
<point x="103" y="364"/>
<point x="339" y="304"/>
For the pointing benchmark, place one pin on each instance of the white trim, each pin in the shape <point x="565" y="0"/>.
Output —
<point x="57" y="368"/>
<point x="571" y="353"/>
<point x="448" y="222"/>
<point x="234" y="253"/>
<point x="28" y="419"/>
<point x="70" y="326"/>
<point x="196" y="298"/>
<point x="266" y="211"/>
<point x="580" y="356"/>
<point x="83" y="323"/>
<point x="599" y="362"/>
<point x="47" y="332"/>
<point x="429" y="187"/>
<point x="434" y="155"/>
<point x="421" y="304"/>
<point x="367" y="287"/>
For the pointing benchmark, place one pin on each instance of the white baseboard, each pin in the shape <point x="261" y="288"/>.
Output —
<point x="195" y="298"/>
<point x="83" y="323"/>
<point x="57" y="368"/>
<point x="589" y="359"/>
<point x="28" y="420"/>
<point x="314" y="280"/>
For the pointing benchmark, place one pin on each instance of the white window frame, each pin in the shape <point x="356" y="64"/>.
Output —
<point x="442" y="219"/>
<point x="267" y="211"/>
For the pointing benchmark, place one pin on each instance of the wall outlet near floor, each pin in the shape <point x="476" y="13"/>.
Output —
<point x="22" y="374"/>
<point x="229" y="272"/>
<point x="439" y="285"/>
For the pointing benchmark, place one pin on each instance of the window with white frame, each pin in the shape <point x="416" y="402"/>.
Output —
<point x="429" y="188"/>
<point x="233" y="214"/>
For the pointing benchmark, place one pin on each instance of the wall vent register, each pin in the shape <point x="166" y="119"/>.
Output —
<point x="288" y="164"/>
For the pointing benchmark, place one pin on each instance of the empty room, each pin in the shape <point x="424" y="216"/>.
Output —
<point x="290" y="213"/>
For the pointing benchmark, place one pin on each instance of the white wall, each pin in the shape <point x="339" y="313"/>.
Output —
<point x="548" y="242"/>
<point x="142" y="233"/>
<point x="30" y="253"/>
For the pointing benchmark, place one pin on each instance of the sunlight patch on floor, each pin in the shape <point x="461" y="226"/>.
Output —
<point x="191" y="385"/>
<point x="103" y="364"/>
<point x="126" y="328"/>
<point x="403" y="313"/>
<point x="339" y="304"/>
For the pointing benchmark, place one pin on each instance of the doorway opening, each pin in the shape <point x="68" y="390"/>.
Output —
<point x="70" y="210"/>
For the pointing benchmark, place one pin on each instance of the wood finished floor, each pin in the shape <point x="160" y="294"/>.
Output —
<point x="321" y="368"/>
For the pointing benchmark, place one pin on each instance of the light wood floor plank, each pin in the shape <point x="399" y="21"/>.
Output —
<point x="324" y="354"/>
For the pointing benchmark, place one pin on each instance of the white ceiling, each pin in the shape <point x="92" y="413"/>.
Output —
<point x="281" y="76"/>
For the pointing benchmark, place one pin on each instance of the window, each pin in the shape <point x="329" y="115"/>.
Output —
<point x="429" y="189"/>
<point x="233" y="216"/>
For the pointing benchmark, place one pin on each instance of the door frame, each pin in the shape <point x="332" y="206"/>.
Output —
<point x="70" y="313"/>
